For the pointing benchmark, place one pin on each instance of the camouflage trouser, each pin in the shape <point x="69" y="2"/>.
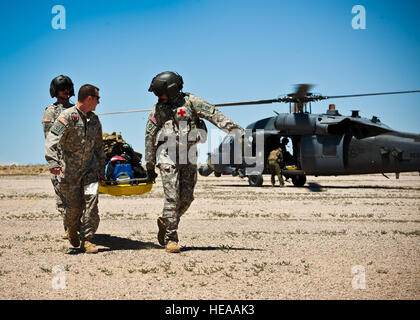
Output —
<point x="275" y="169"/>
<point x="178" y="185"/>
<point x="81" y="207"/>
<point x="58" y="196"/>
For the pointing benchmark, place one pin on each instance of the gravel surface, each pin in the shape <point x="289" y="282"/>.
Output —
<point x="354" y="237"/>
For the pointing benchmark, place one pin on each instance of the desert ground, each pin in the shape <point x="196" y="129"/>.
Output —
<point x="351" y="237"/>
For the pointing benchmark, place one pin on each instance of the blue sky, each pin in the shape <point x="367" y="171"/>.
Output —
<point x="225" y="51"/>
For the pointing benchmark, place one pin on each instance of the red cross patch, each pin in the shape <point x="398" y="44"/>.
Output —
<point x="181" y="112"/>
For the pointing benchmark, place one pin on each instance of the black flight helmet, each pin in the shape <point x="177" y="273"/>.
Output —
<point x="60" y="83"/>
<point x="168" y="82"/>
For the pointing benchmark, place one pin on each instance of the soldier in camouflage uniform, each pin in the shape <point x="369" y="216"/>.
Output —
<point x="74" y="152"/>
<point x="176" y="114"/>
<point x="275" y="163"/>
<point x="62" y="88"/>
<point x="287" y="157"/>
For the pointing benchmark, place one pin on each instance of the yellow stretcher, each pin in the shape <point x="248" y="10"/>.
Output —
<point x="125" y="188"/>
<point x="290" y="167"/>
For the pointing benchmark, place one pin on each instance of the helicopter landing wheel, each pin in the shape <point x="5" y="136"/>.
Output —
<point x="299" y="181"/>
<point x="255" y="181"/>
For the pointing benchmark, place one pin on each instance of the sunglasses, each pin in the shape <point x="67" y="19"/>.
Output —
<point x="97" y="97"/>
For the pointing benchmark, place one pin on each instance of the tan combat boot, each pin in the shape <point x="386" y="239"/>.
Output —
<point x="172" y="247"/>
<point x="73" y="237"/>
<point x="162" y="231"/>
<point x="88" y="247"/>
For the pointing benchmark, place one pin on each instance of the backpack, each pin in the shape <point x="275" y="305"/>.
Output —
<point x="118" y="169"/>
<point x="114" y="145"/>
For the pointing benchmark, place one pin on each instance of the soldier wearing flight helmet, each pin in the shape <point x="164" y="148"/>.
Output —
<point x="177" y="114"/>
<point x="61" y="87"/>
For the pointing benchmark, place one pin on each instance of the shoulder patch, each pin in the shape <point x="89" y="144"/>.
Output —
<point x="153" y="119"/>
<point x="46" y="120"/>
<point x="204" y="107"/>
<point x="59" y="126"/>
<point x="75" y="116"/>
<point x="151" y="127"/>
<point x="63" y="121"/>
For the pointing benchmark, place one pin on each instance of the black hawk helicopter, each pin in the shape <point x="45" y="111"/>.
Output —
<point x="324" y="144"/>
<point x="328" y="144"/>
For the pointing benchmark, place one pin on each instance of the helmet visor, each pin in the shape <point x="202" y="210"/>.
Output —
<point x="63" y="86"/>
<point x="158" y="87"/>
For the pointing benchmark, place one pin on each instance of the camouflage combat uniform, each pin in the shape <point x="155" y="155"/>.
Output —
<point x="78" y="140"/>
<point x="51" y="114"/>
<point x="275" y="163"/>
<point x="178" y="179"/>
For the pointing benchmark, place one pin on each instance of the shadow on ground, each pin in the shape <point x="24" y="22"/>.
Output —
<point x="218" y="248"/>
<point x="117" y="243"/>
<point x="315" y="187"/>
<point x="247" y="186"/>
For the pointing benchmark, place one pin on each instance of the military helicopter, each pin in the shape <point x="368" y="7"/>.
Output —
<point x="328" y="144"/>
<point x="324" y="144"/>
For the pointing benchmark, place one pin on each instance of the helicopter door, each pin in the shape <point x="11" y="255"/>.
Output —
<point x="322" y="155"/>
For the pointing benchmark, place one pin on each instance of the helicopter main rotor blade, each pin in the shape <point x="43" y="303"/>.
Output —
<point x="243" y="103"/>
<point x="370" y="94"/>
<point x="216" y="105"/>
<point x="301" y="90"/>
<point x="119" y="112"/>
<point x="301" y="96"/>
